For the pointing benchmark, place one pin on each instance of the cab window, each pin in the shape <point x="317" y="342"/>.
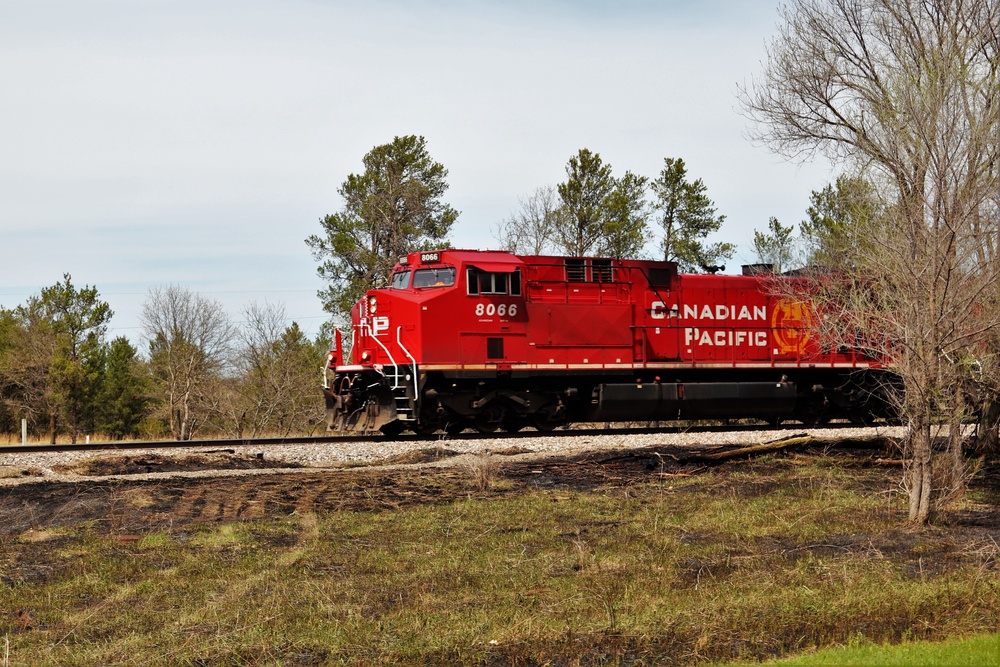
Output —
<point x="494" y="282"/>
<point x="400" y="280"/>
<point x="442" y="277"/>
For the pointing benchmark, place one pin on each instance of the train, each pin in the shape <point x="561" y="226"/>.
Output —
<point x="488" y="340"/>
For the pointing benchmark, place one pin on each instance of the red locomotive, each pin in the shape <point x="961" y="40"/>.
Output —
<point x="488" y="339"/>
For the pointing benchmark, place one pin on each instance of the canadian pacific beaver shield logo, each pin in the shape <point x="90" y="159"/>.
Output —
<point x="791" y="322"/>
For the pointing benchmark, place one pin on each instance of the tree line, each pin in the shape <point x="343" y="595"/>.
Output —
<point x="595" y="213"/>
<point x="199" y="373"/>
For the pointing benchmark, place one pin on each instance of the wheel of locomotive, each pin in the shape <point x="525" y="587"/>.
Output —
<point x="859" y="418"/>
<point x="813" y="414"/>
<point x="428" y="423"/>
<point x="863" y="408"/>
<point x="489" y="419"/>
<point x="547" y="419"/>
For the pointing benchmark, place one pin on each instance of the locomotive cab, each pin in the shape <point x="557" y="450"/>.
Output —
<point x="438" y="305"/>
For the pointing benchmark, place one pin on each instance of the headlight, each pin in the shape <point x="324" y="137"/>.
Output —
<point x="372" y="304"/>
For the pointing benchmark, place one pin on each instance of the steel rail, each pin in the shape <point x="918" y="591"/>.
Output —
<point x="229" y="443"/>
<point x="222" y="443"/>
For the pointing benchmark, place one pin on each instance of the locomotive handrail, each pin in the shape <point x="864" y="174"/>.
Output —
<point x="399" y="341"/>
<point x="395" y="367"/>
<point x="649" y="282"/>
<point x="338" y="360"/>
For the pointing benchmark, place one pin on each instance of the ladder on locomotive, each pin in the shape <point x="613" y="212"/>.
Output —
<point x="406" y="404"/>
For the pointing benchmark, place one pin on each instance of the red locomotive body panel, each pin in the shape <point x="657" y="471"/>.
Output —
<point x="463" y="332"/>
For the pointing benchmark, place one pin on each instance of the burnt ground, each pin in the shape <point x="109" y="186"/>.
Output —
<point x="119" y="494"/>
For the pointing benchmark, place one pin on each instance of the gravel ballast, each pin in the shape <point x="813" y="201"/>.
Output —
<point x="29" y="467"/>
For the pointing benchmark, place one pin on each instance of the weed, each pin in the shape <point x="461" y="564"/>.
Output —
<point x="483" y="469"/>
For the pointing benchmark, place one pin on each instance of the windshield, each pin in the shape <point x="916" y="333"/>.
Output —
<point x="400" y="279"/>
<point x="443" y="277"/>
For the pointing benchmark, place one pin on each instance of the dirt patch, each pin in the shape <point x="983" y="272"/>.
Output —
<point x="145" y="505"/>
<point x="12" y="472"/>
<point x="150" y="463"/>
<point x="426" y="455"/>
<point x="138" y="505"/>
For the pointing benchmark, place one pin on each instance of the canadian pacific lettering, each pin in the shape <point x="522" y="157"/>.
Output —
<point x="725" y="337"/>
<point x="658" y="311"/>
<point x="721" y="311"/>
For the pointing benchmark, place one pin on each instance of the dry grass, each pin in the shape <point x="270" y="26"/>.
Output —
<point x="483" y="469"/>
<point x="744" y="562"/>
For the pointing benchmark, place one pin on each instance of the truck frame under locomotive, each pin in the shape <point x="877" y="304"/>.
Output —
<point x="489" y="339"/>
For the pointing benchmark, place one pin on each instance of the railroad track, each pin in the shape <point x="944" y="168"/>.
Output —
<point x="230" y="443"/>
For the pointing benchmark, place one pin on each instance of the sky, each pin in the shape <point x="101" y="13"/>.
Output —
<point x="147" y="143"/>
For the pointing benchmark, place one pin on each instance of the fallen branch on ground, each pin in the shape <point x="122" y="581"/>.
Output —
<point x="751" y="450"/>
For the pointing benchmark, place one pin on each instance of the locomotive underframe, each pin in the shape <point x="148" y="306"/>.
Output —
<point x="394" y="399"/>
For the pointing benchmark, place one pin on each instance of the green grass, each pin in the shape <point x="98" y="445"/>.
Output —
<point x="979" y="651"/>
<point x="746" y="563"/>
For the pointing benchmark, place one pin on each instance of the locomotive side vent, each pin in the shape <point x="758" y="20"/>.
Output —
<point x="576" y="271"/>
<point x="601" y="268"/>
<point x="494" y="348"/>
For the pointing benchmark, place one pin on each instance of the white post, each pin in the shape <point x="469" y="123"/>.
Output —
<point x="24" y="431"/>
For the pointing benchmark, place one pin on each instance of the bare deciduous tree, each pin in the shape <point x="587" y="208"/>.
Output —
<point x="277" y="371"/>
<point x="909" y="90"/>
<point x="189" y="341"/>
<point x="531" y="230"/>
